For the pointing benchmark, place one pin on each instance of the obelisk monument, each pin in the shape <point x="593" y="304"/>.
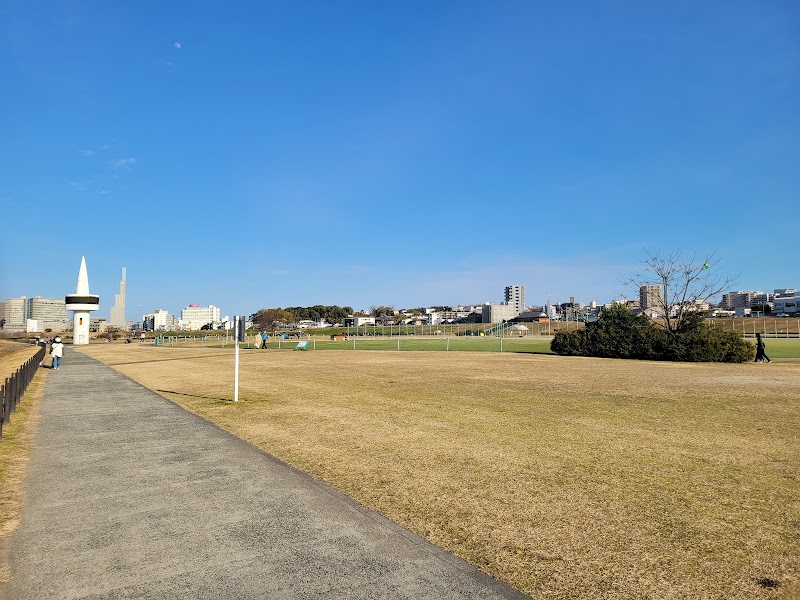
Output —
<point x="81" y="303"/>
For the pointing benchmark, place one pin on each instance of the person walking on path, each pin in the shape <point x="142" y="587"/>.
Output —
<point x="760" y="346"/>
<point x="57" y="350"/>
<point x="264" y="338"/>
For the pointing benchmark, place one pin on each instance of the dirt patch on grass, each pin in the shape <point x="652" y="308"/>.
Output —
<point x="566" y="477"/>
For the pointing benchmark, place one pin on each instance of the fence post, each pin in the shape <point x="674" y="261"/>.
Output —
<point x="2" y="408"/>
<point x="7" y="401"/>
<point x="16" y="386"/>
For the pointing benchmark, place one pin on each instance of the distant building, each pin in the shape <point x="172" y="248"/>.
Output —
<point x="513" y="306"/>
<point x="117" y="314"/>
<point x="515" y="296"/>
<point x="194" y="316"/>
<point x="744" y="299"/>
<point x="50" y="313"/>
<point x="35" y="314"/>
<point x="787" y="305"/>
<point x="159" y="320"/>
<point x="649" y="296"/>
<point x="458" y="312"/>
<point x="362" y="321"/>
<point x="97" y="324"/>
<point x="497" y="313"/>
<point x="17" y="313"/>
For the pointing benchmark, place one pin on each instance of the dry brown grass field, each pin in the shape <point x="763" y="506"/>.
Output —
<point x="16" y="443"/>
<point x="13" y="355"/>
<point x="565" y="477"/>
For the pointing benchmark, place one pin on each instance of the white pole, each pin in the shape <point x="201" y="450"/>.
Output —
<point x="236" y="373"/>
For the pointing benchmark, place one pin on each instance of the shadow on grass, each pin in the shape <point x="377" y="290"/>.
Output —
<point x="141" y="362"/>
<point x="226" y="400"/>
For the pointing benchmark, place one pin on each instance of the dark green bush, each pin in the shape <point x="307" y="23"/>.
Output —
<point x="568" y="343"/>
<point x="620" y="334"/>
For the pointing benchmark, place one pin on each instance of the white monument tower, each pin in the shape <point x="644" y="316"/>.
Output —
<point x="81" y="303"/>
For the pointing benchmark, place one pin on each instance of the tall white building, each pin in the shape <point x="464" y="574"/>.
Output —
<point x="515" y="296"/>
<point x="159" y="320"/>
<point x="195" y="316"/>
<point x="116" y="316"/>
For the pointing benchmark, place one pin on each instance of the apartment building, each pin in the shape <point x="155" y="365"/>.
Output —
<point x="195" y="316"/>
<point x="159" y="320"/>
<point x="35" y="314"/>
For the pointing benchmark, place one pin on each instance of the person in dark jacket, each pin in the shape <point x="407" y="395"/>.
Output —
<point x="760" y="354"/>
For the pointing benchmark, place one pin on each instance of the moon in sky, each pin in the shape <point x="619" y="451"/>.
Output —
<point x="177" y="45"/>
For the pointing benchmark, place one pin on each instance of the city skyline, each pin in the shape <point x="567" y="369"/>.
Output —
<point x="408" y="154"/>
<point x="510" y="293"/>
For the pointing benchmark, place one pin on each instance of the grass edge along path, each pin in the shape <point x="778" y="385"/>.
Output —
<point x="565" y="477"/>
<point x="15" y="449"/>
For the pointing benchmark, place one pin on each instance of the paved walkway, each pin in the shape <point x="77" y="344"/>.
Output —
<point x="129" y="496"/>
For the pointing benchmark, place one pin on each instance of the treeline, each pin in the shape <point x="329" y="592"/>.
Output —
<point x="331" y="314"/>
<point x="618" y="333"/>
<point x="269" y="317"/>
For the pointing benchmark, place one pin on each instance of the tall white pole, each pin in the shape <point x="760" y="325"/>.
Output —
<point x="236" y="373"/>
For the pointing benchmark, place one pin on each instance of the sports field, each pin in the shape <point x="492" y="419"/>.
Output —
<point x="566" y="477"/>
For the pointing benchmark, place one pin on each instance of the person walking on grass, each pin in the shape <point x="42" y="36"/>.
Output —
<point x="760" y="346"/>
<point x="264" y="338"/>
<point x="57" y="350"/>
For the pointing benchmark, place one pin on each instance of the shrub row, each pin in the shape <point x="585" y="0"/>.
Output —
<point x="618" y="333"/>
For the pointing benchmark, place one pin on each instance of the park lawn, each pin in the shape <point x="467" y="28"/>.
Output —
<point x="565" y="477"/>
<point x="459" y="344"/>
<point x="782" y="347"/>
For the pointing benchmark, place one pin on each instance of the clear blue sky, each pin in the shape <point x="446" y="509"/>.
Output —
<point x="260" y="154"/>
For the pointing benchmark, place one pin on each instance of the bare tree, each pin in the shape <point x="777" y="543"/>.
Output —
<point x="684" y="285"/>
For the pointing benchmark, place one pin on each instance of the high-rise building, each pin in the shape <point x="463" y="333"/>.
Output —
<point x="515" y="296"/>
<point x="649" y="296"/>
<point x="116" y="316"/>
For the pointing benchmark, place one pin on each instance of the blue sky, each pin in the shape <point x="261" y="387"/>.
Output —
<point x="260" y="154"/>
